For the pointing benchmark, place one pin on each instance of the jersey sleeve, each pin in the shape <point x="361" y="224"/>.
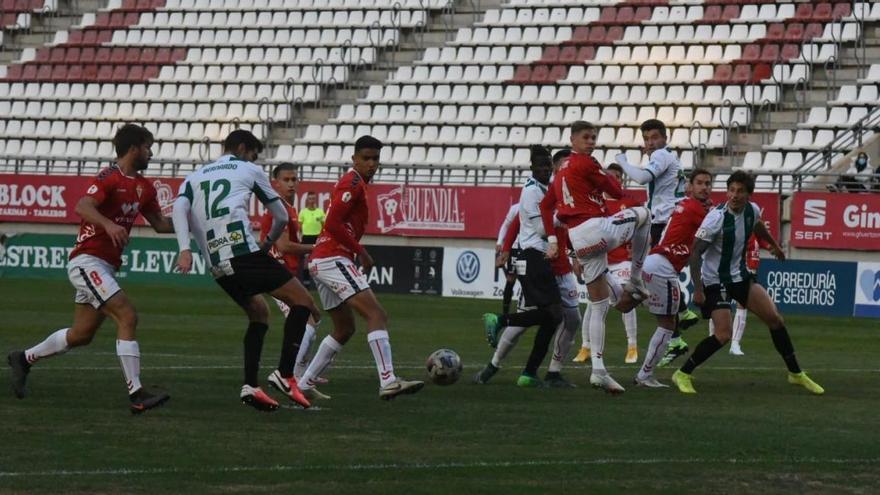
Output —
<point x="101" y="186"/>
<point x="344" y="197"/>
<point x="600" y="180"/>
<point x="186" y="190"/>
<point x="658" y="163"/>
<point x="711" y="226"/>
<point x="152" y="203"/>
<point x="548" y="205"/>
<point x="511" y="235"/>
<point x="261" y="186"/>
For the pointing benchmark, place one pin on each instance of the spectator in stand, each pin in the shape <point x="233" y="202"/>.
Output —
<point x="859" y="177"/>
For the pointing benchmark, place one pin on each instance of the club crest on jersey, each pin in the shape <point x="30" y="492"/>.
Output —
<point x="346" y="197"/>
<point x="92" y="189"/>
<point x="139" y="190"/>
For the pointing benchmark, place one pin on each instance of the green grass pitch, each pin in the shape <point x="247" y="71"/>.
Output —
<point x="746" y="431"/>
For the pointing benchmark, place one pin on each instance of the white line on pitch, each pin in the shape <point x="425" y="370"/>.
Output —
<point x="430" y="466"/>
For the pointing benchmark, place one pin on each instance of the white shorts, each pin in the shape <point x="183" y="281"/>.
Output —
<point x="662" y="281"/>
<point x="568" y="291"/>
<point x="593" y="239"/>
<point x="620" y="272"/>
<point x="94" y="280"/>
<point x="337" y="279"/>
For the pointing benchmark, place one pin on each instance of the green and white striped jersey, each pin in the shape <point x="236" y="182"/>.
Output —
<point x="728" y="233"/>
<point x="220" y="194"/>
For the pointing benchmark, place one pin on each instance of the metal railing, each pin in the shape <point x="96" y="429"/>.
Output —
<point x="843" y="143"/>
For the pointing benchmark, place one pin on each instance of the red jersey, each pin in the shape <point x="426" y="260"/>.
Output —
<point x="678" y="237"/>
<point x="560" y="265"/>
<point x="290" y="261"/>
<point x="576" y="193"/>
<point x="120" y="198"/>
<point x="753" y="255"/>
<point x="346" y="221"/>
<point x="623" y="252"/>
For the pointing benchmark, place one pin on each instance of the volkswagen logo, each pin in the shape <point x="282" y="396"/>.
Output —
<point x="467" y="267"/>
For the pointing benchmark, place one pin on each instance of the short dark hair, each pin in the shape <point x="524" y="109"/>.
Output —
<point x="284" y="167"/>
<point x="698" y="171"/>
<point x="581" y="125"/>
<point x="130" y="135"/>
<point x="616" y="167"/>
<point x="561" y="154"/>
<point x="367" y="143"/>
<point x="239" y="137"/>
<point x="743" y="178"/>
<point x="309" y="193"/>
<point x="539" y="156"/>
<point x="652" y="124"/>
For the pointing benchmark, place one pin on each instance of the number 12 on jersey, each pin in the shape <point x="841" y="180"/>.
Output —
<point x="221" y="185"/>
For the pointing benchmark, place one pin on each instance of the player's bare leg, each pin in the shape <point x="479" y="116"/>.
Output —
<point x="86" y="321"/>
<point x="762" y="306"/>
<point x="390" y="386"/>
<point x="120" y="308"/>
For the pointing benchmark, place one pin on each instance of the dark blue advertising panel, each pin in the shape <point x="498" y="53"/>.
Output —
<point x="810" y="287"/>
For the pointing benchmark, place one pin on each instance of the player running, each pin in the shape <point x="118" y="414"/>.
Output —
<point x="509" y="260"/>
<point x="112" y="203"/>
<point x="720" y="275"/>
<point x="213" y="204"/>
<point x="342" y="287"/>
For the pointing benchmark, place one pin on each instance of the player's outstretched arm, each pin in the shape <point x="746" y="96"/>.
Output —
<point x="286" y="246"/>
<point x="160" y="223"/>
<point x="180" y="219"/>
<point x="696" y="264"/>
<point x="638" y="174"/>
<point x="87" y="209"/>
<point x="764" y="235"/>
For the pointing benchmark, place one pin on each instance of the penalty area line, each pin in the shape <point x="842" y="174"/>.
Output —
<point x="428" y="466"/>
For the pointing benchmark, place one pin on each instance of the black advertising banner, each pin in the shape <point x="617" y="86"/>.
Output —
<point x="406" y="270"/>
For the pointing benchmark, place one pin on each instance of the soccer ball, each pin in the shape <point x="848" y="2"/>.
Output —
<point x="444" y="367"/>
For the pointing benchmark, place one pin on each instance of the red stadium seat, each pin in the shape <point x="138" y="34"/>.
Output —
<point x="557" y="73"/>
<point x="742" y="74"/>
<point x="761" y="72"/>
<point x="131" y="18"/>
<point x="580" y="35"/>
<point x="72" y="55"/>
<point x="597" y="34"/>
<point x="722" y="75"/>
<point x="794" y="32"/>
<point x="105" y="73"/>
<point x="775" y="32"/>
<point x="822" y="12"/>
<point x="105" y="35"/>
<point x="29" y="72"/>
<point x="120" y="73"/>
<point x="44" y="73"/>
<point x="87" y="55"/>
<point x="74" y="72"/>
<point x="150" y="72"/>
<point x="550" y="55"/>
<point x="770" y="53"/>
<point x="144" y="5"/>
<point x="540" y="74"/>
<point x="586" y="53"/>
<point x="608" y="15"/>
<point x="615" y="33"/>
<point x="44" y="54"/>
<point x="102" y="19"/>
<point x="14" y="71"/>
<point x="129" y="4"/>
<point x="59" y="72"/>
<point x="90" y="37"/>
<point x="712" y="14"/>
<point x="163" y="56"/>
<point x="102" y="55"/>
<point x="625" y="15"/>
<point x="523" y="74"/>
<point x="134" y="55"/>
<point x="75" y="37"/>
<point x="90" y="72"/>
<point x="643" y="14"/>
<point x="841" y="9"/>
<point x="813" y="30"/>
<point x="804" y="12"/>
<point x="117" y="55"/>
<point x="751" y="52"/>
<point x="790" y="52"/>
<point x="178" y="54"/>
<point x="568" y="55"/>
<point x="730" y="12"/>
<point x="117" y="19"/>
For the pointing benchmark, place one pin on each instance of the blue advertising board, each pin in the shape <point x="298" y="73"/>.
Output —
<point x="810" y="287"/>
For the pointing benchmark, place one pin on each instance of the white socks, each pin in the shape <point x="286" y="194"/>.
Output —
<point x="130" y="357"/>
<point x="656" y="349"/>
<point x="302" y="357"/>
<point x="739" y="324"/>
<point x="585" y="326"/>
<point x="640" y="244"/>
<point x="326" y="352"/>
<point x="509" y="337"/>
<point x="630" y="324"/>
<point x="54" y="344"/>
<point x="381" y="347"/>
<point x="599" y="309"/>
<point x="571" y="317"/>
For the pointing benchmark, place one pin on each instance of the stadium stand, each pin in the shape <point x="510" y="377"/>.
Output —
<point x="714" y="71"/>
